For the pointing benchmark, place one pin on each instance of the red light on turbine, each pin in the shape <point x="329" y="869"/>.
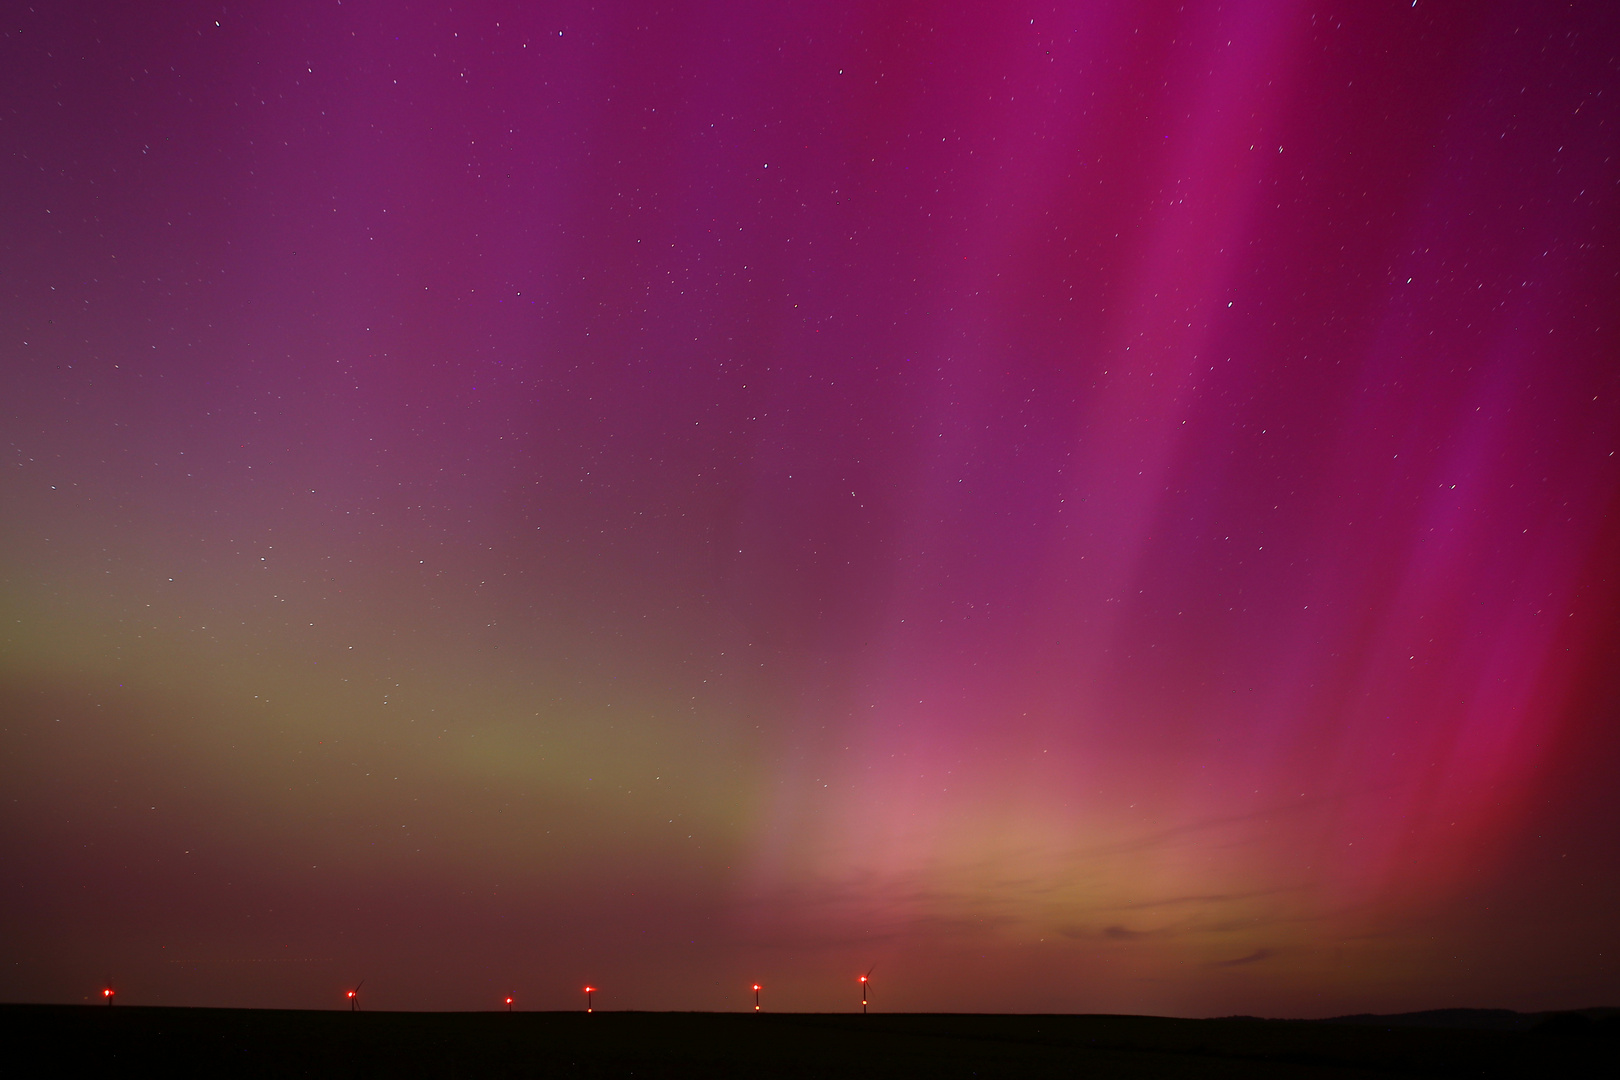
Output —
<point x="106" y="993"/>
<point x="863" y="978"/>
<point x="756" y="986"/>
<point x="351" y="993"/>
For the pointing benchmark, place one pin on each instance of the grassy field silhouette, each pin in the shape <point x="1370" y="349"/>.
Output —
<point x="58" y="1039"/>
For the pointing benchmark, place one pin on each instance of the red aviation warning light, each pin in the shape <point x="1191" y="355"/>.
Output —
<point x="107" y="993"/>
<point x="354" y="996"/>
<point x="589" y="990"/>
<point x="509" y="1004"/>
<point x="756" y="997"/>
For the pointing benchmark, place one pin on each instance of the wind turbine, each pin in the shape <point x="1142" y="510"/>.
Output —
<point x="864" y="979"/>
<point x="508" y="1002"/>
<point x="756" y="997"/>
<point x="589" y="990"/>
<point x="107" y="992"/>
<point x="354" y="996"/>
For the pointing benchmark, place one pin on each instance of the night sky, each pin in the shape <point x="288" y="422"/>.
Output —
<point x="1100" y="507"/>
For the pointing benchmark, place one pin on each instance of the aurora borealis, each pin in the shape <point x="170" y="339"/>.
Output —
<point x="1085" y="507"/>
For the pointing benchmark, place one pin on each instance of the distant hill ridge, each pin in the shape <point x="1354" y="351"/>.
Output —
<point x="1596" y="1021"/>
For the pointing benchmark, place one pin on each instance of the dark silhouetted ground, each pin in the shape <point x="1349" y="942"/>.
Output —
<point x="60" y="1040"/>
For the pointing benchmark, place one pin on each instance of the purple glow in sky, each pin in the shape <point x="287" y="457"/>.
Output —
<point x="1097" y="506"/>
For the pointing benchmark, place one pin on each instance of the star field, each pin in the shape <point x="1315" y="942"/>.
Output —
<point x="1096" y="507"/>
